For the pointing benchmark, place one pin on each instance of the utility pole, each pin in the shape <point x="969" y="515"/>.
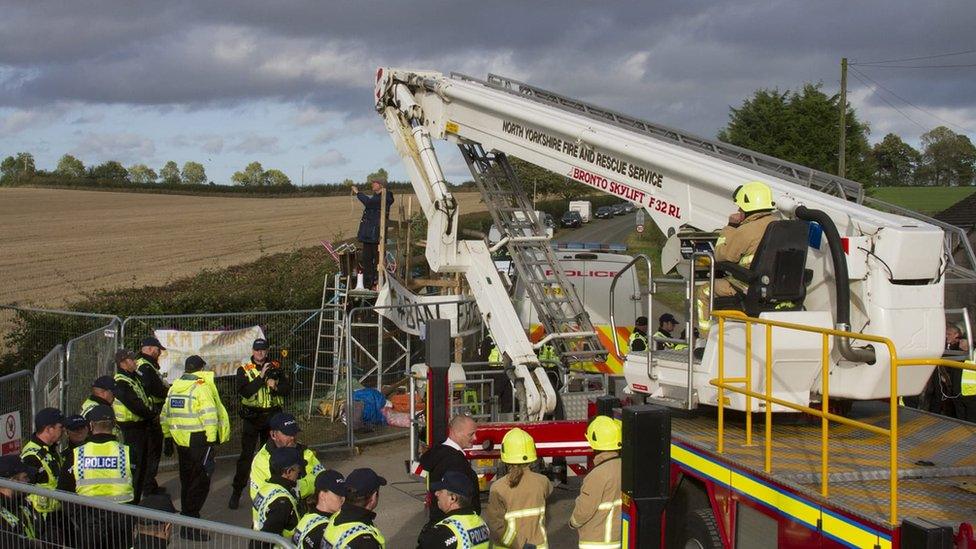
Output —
<point x="842" y="150"/>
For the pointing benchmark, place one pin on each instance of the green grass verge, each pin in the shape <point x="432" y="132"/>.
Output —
<point x="650" y="243"/>
<point x="926" y="200"/>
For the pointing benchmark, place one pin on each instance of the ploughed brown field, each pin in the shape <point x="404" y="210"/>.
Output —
<point x="56" y="245"/>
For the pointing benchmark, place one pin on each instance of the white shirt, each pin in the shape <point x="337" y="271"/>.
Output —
<point x="450" y="442"/>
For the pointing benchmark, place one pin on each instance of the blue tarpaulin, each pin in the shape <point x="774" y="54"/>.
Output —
<point x="373" y="403"/>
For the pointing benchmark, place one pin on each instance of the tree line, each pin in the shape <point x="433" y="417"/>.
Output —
<point x="20" y="168"/>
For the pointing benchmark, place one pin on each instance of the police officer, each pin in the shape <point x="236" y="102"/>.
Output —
<point x="133" y="413"/>
<point x="102" y="467"/>
<point x="261" y="384"/>
<point x="78" y="430"/>
<point x="41" y="453"/>
<point x="275" y="508"/>
<point x="156" y="388"/>
<point x="548" y="356"/>
<point x="461" y="528"/>
<point x="16" y="524"/>
<point x="194" y="418"/>
<point x="596" y="515"/>
<point x="353" y="526"/>
<point x="638" y="338"/>
<point x="330" y="493"/>
<point x="516" y="509"/>
<point x="284" y="430"/>
<point x="666" y="324"/>
<point x="738" y="241"/>
<point x="102" y="392"/>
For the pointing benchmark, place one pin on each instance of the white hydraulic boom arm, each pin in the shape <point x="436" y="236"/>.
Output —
<point x="896" y="265"/>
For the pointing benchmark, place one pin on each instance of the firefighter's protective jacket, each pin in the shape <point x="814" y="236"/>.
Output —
<point x="517" y="516"/>
<point x="738" y="244"/>
<point x="597" y="512"/>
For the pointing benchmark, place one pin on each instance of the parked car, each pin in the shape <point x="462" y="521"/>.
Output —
<point x="572" y="219"/>
<point x="548" y="221"/>
<point x="618" y="209"/>
<point x="604" y="212"/>
<point x="629" y="207"/>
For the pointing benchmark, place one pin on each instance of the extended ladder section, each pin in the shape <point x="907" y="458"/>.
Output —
<point x="555" y="298"/>
<point x="328" y="347"/>
<point x="959" y="269"/>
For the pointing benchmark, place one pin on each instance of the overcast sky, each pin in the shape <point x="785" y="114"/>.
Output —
<point x="289" y="84"/>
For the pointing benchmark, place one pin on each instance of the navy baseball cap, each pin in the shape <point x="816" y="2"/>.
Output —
<point x="151" y="342"/>
<point x="667" y="317"/>
<point x="283" y="458"/>
<point x="48" y="416"/>
<point x="285" y="423"/>
<point x="364" y="481"/>
<point x="11" y="465"/>
<point x="101" y="413"/>
<point x="105" y="382"/>
<point x="641" y="321"/>
<point x="260" y="344"/>
<point x="331" y="481"/>
<point x="123" y="355"/>
<point x="454" y="482"/>
<point x="75" y="422"/>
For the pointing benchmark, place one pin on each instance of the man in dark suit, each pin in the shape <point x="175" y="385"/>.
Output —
<point x="369" y="228"/>
<point x="449" y="456"/>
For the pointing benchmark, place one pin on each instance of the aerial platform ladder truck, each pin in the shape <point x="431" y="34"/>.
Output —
<point x="842" y="465"/>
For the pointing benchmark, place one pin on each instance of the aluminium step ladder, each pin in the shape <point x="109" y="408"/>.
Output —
<point x="554" y="297"/>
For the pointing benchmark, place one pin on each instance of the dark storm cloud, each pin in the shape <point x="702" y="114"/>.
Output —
<point x="681" y="63"/>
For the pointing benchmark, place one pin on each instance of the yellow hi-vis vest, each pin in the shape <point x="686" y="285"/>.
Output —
<point x="103" y="470"/>
<point x="155" y="401"/>
<point x="268" y="494"/>
<point x="510" y="531"/>
<point x="470" y="530"/>
<point x="338" y="536"/>
<point x="51" y="463"/>
<point x="261" y="472"/>
<point x="634" y="336"/>
<point x="193" y="405"/>
<point x="548" y="356"/>
<point x="122" y="413"/>
<point x="968" y="382"/>
<point x="87" y="406"/>
<point x="611" y="508"/>
<point x="263" y="398"/>
<point x="495" y="356"/>
<point x="308" y="522"/>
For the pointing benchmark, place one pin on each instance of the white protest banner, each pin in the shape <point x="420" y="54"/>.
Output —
<point x="465" y="318"/>
<point x="224" y="350"/>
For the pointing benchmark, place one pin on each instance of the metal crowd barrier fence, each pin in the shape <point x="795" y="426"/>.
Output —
<point x="87" y="357"/>
<point x="93" y="523"/>
<point x="17" y="395"/>
<point x="27" y="334"/>
<point x="47" y="380"/>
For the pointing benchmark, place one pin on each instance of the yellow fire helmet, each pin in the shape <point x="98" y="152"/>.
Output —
<point x="753" y="196"/>
<point x="518" y="447"/>
<point x="604" y="434"/>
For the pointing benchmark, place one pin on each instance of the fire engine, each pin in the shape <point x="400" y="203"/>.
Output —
<point x="781" y="428"/>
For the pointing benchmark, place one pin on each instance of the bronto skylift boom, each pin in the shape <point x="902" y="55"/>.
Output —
<point x="895" y="265"/>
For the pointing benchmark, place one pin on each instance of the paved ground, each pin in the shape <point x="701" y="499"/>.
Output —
<point x="610" y="231"/>
<point x="401" y="508"/>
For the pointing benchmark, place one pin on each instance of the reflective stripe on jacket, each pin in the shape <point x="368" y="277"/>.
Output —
<point x="739" y="244"/>
<point x="193" y="405"/>
<point x="596" y="514"/>
<point x="261" y="471"/>
<point x="263" y="398"/>
<point x="968" y="382"/>
<point x="267" y="495"/>
<point x="306" y="524"/>
<point x="103" y="470"/>
<point x="51" y="464"/>
<point x="516" y="515"/>
<point x="122" y="413"/>
<point x="339" y="536"/>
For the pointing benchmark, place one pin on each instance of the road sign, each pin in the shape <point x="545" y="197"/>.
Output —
<point x="640" y="228"/>
<point x="10" y="433"/>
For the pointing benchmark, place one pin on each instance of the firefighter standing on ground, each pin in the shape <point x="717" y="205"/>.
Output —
<point x="261" y="384"/>
<point x="461" y="527"/>
<point x="516" y="510"/>
<point x="194" y="418"/>
<point x="133" y="414"/>
<point x="596" y="515"/>
<point x="284" y="430"/>
<point x="738" y="242"/>
<point x="330" y="494"/>
<point x="156" y="388"/>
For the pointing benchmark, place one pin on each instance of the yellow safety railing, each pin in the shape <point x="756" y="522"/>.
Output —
<point x="730" y="384"/>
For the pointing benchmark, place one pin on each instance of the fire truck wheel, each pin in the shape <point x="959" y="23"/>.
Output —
<point x="701" y="531"/>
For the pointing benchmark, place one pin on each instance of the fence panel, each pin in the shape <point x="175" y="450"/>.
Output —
<point x="86" y="358"/>
<point x="28" y="334"/>
<point x="97" y="523"/>
<point x="48" y="386"/>
<point x="16" y="395"/>
<point x="292" y="335"/>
